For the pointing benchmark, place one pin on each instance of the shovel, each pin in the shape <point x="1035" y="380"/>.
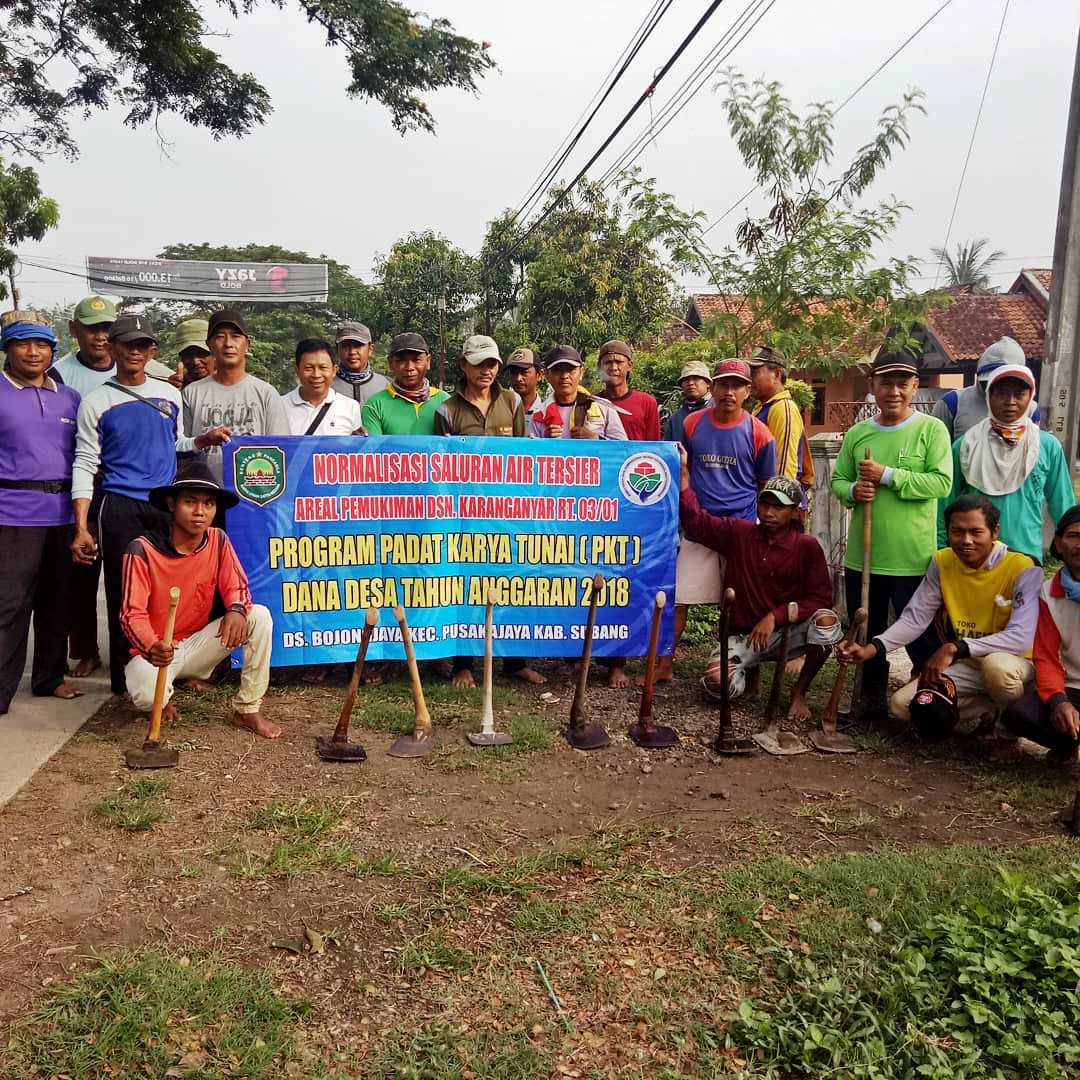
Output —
<point x="772" y="740"/>
<point x="422" y="741"/>
<point x="338" y="747"/>
<point x="487" y="735"/>
<point x="154" y="754"/>
<point x="580" y="733"/>
<point x="645" y="733"/>
<point x="725" y="742"/>
<point x="828" y="740"/>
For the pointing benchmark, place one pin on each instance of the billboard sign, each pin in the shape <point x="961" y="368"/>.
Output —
<point x="221" y="282"/>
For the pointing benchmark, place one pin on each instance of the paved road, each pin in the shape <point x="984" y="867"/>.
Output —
<point x="36" y="728"/>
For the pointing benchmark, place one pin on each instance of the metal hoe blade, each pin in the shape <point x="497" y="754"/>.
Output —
<point x="152" y="755"/>
<point x="331" y="750"/>
<point x="489" y="738"/>
<point x="833" y="742"/>
<point x="780" y="743"/>
<point x="645" y="733"/>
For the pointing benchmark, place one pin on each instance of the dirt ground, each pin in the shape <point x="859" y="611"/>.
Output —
<point x="73" y="885"/>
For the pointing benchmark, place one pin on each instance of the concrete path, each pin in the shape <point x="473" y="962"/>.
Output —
<point x="36" y="728"/>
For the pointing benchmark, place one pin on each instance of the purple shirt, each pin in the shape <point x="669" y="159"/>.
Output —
<point x="37" y="442"/>
<point x="728" y="462"/>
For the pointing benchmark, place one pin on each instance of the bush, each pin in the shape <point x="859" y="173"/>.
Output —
<point x="988" y="991"/>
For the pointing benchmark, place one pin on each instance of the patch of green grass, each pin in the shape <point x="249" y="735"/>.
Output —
<point x="387" y="865"/>
<point x="1038" y="790"/>
<point x="301" y="820"/>
<point x="137" y="806"/>
<point x="432" y="950"/>
<point x="439" y="1052"/>
<point x="531" y="734"/>
<point x="136" y="1014"/>
<point x="197" y="709"/>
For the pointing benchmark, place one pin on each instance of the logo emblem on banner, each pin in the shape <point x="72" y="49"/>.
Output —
<point x="644" y="479"/>
<point x="259" y="473"/>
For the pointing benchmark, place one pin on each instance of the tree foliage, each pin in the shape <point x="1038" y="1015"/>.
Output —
<point x="804" y="276"/>
<point x="153" y="59"/>
<point x="970" y="266"/>
<point x="25" y="214"/>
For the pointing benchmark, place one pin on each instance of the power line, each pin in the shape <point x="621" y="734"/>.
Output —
<point x="971" y="144"/>
<point x="645" y="95"/>
<point x="684" y="94"/>
<point x="847" y="101"/>
<point x="558" y="159"/>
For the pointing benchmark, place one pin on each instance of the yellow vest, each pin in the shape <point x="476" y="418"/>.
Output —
<point x="979" y="602"/>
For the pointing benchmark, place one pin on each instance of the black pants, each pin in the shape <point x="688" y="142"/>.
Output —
<point x="511" y="664"/>
<point x="1032" y="719"/>
<point x="886" y="590"/>
<point x="34" y="574"/>
<point x="83" y="637"/>
<point x="120" y="521"/>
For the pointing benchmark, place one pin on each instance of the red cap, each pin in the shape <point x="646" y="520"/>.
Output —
<point x="732" y="369"/>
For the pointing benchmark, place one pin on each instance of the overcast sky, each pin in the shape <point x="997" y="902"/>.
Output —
<point x="328" y="174"/>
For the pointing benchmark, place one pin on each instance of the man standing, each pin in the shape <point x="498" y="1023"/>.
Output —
<point x="481" y="407"/>
<point x="90" y="363"/>
<point x="192" y="349"/>
<point x="1049" y="714"/>
<point x="775" y="409"/>
<point x="88" y="367"/>
<point x="355" y="377"/>
<point x="573" y="413"/>
<point x="641" y="415"/>
<point x="314" y="407"/>
<point x="230" y="398"/>
<point x="770" y="565"/>
<point x="37" y="445"/>
<point x="188" y="553"/>
<point x="129" y="428"/>
<point x="988" y="594"/>
<point x="524" y="377"/>
<point x="910" y="468"/>
<point x="1008" y="460"/>
<point x="959" y="410"/>
<point x="695" y="383"/>
<point x="408" y="405"/>
<point x="731" y="455"/>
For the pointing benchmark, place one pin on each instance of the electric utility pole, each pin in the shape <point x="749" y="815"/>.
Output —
<point x="1060" y="390"/>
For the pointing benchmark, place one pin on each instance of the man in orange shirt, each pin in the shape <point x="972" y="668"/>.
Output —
<point x="200" y="561"/>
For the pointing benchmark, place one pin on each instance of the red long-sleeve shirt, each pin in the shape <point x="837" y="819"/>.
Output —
<point x="152" y="566"/>
<point x="765" y="576"/>
<point x="1057" y="643"/>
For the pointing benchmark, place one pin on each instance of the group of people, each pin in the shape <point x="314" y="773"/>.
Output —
<point x="89" y="484"/>
<point x="955" y="552"/>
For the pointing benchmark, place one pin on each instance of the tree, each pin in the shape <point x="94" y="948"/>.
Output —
<point x="970" y="266"/>
<point x="803" y="276"/>
<point x="152" y="59"/>
<point x="25" y="214"/>
<point x="418" y="271"/>
<point x="593" y="271"/>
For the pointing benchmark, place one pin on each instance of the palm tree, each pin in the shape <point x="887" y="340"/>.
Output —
<point x="970" y="266"/>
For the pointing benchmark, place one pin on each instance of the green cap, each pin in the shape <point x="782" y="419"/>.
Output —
<point x="784" y="490"/>
<point x="191" y="333"/>
<point x="94" y="310"/>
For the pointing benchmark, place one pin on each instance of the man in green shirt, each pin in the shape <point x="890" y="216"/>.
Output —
<point x="1009" y="461"/>
<point x="408" y="405"/>
<point x="909" y="469"/>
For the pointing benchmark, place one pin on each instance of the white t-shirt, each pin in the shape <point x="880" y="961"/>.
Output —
<point x="342" y="418"/>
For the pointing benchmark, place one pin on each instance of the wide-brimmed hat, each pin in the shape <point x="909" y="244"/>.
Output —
<point x="194" y="476"/>
<point x="695" y="369"/>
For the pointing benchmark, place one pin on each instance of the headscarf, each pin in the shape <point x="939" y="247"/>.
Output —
<point x="356" y="378"/>
<point x="418" y="396"/>
<point x="27" y="331"/>
<point x="997" y="458"/>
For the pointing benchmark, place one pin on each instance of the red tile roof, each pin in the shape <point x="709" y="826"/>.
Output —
<point x="974" y="321"/>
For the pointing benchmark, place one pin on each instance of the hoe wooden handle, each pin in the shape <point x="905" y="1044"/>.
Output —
<point x="371" y="619"/>
<point x="153" y="735"/>
<point x="423" y="719"/>
<point x="854" y="632"/>
<point x="645" y="710"/>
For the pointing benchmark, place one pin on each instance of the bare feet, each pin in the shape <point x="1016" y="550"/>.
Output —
<point x="658" y="679"/>
<point x="199" y="686"/>
<point x="617" y="679"/>
<point x="169" y="715"/>
<point x="665" y="670"/>
<point x="798" y="711"/>
<point x="464" y="680"/>
<point x="66" y="692"/>
<point x="527" y="675"/>
<point x="85" y="667"/>
<point x="257" y="723"/>
<point x="372" y="676"/>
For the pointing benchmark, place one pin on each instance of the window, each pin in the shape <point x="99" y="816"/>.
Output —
<point x="817" y="410"/>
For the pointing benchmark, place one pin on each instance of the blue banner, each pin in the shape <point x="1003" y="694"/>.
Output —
<point x="330" y="525"/>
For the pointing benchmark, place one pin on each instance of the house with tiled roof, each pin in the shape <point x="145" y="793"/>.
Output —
<point x="953" y="337"/>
